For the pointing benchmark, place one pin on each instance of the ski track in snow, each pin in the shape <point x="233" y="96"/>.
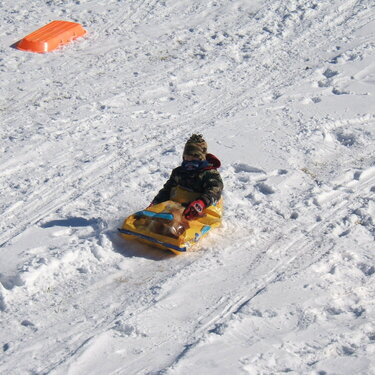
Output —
<point x="283" y="91"/>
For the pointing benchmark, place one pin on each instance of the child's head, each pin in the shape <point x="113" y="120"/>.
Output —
<point x="195" y="148"/>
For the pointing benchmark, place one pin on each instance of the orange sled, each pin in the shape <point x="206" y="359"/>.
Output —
<point x="51" y="36"/>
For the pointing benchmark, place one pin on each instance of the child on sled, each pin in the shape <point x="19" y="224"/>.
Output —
<point x="196" y="183"/>
<point x="187" y="207"/>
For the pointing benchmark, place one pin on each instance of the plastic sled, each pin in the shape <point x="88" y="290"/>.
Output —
<point x="51" y="36"/>
<point x="164" y="226"/>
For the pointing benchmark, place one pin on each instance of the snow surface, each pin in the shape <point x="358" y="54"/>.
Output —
<point x="283" y="91"/>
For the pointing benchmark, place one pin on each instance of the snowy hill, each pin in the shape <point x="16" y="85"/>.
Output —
<point x="283" y="91"/>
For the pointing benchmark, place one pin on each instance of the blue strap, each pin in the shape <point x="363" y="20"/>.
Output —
<point x="155" y="215"/>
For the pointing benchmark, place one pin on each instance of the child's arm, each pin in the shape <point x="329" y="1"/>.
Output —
<point x="212" y="187"/>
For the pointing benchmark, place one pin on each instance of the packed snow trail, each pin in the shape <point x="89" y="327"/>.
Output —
<point x="283" y="92"/>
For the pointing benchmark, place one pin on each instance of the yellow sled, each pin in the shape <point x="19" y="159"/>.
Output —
<point x="164" y="226"/>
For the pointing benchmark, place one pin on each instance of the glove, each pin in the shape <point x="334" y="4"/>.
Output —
<point x="194" y="209"/>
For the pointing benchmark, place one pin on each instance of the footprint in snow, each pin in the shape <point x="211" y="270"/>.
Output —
<point x="367" y="269"/>
<point x="347" y="350"/>
<point x="9" y="282"/>
<point x="345" y="138"/>
<point x="2" y="303"/>
<point x="357" y="175"/>
<point x="264" y="188"/>
<point x="278" y="172"/>
<point x="330" y="73"/>
<point x="125" y="329"/>
<point x="241" y="167"/>
<point x="294" y="216"/>
<point x="333" y="311"/>
<point x="337" y="91"/>
<point x="168" y="151"/>
<point x="281" y="172"/>
<point x="28" y="324"/>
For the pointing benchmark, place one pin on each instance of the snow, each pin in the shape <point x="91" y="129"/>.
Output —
<point x="283" y="92"/>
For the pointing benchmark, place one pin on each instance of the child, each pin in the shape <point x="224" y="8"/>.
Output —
<point x="196" y="183"/>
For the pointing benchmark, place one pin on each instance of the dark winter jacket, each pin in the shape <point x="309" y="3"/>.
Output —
<point x="207" y="182"/>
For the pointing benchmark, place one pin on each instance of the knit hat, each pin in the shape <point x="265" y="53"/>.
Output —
<point x="196" y="146"/>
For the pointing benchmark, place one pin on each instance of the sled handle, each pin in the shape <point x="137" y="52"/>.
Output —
<point x="155" y="215"/>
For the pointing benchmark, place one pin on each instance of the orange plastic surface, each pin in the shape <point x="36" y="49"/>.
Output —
<point x="51" y="36"/>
